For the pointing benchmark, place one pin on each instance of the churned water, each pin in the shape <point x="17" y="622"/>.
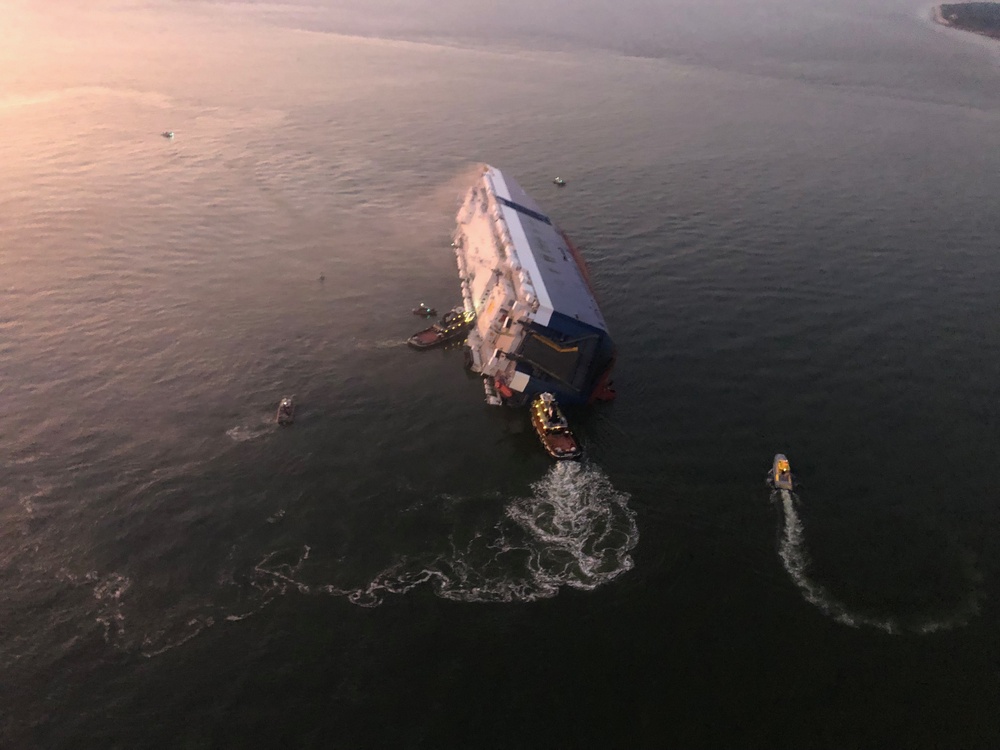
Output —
<point x="789" y="212"/>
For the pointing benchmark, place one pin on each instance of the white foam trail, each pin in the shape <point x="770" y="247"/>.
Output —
<point x="283" y="575"/>
<point x="796" y="562"/>
<point x="380" y="344"/>
<point x="195" y="625"/>
<point x="574" y="530"/>
<point x="241" y="433"/>
<point x="108" y="592"/>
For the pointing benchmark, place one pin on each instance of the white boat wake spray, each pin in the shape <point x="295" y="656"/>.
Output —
<point x="574" y="530"/>
<point x="795" y="558"/>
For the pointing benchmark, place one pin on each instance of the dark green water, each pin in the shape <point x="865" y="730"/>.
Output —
<point x="789" y="218"/>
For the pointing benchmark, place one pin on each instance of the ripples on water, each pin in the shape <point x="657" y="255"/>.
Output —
<point x="795" y="557"/>
<point x="574" y="530"/>
<point x="791" y="242"/>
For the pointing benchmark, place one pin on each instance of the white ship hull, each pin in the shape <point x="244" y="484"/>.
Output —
<point x="538" y="327"/>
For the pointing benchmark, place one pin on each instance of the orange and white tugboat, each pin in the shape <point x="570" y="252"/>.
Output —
<point x="454" y="325"/>
<point x="781" y="473"/>
<point x="552" y="428"/>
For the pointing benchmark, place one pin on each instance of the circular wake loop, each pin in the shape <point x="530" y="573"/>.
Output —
<point x="574" y="530"/>
<point x="795" y="558"/>
<point x="581" y="528"/>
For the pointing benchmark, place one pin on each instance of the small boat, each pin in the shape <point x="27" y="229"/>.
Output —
<point x="424" y="310"/>
<point x="452" y="326"/>
<point x="286" y="411"/>
<point x="781" y="473"/>
<point x="559" y="181"/>
<point x="167" y="133"/>
<point x="552" y="428"/>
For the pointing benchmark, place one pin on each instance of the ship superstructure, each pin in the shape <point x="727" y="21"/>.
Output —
<point x="538" y="327"/>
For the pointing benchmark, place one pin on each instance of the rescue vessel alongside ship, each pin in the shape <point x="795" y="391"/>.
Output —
<point x="450" y="328"/>
<point x="537" y="326"/>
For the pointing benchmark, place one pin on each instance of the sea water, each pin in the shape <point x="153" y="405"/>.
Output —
<point x="788" y="213"/>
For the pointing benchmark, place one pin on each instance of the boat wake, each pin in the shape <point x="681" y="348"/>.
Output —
<point x="379" y="344"/>
<point x="243" y="433"/>
<point x="574" y="529"/>
<point x="108" y="592"/>
<point x="795" y="558"/>
<point x="113" y="595"/>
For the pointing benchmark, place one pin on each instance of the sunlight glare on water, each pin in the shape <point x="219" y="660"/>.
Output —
<point x="785" y="212"/>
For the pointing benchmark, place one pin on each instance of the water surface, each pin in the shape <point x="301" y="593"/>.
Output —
<point x="787" y="212"/>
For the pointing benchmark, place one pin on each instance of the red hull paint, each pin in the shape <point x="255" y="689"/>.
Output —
<point x="580" y="262"/>
<point x="603" y="390"/>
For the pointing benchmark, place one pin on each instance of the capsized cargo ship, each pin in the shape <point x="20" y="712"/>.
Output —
<point x="538" y="327"/>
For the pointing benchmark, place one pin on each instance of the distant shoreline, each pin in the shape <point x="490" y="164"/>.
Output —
<point x="977" y="18"/>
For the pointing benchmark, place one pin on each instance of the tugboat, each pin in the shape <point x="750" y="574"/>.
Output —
<point x="452" y="326"/>
<point x="286" y="411"/>
<point x="552" y="428"/>
<point x="559" y="181"/>
<point x="781" y="473"/>
<point x="424" y="311"/>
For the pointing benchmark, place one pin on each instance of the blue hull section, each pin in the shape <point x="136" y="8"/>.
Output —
<point x="566" y="357"/>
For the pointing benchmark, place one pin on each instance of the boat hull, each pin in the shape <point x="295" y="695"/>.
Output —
<point x="781" y="473"/>
<point x="286" y="412"/>
<point x="556" y="439"/>
<point x="538" y="325"/>
<point x="453" y="328"/>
